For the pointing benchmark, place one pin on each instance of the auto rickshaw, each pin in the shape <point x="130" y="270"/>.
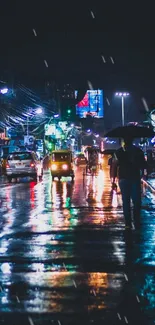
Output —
<point x="61" y="164"/>
<point x="93" y="161"/>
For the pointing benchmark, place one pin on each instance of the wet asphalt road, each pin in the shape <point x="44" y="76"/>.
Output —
<point x="65" y="257"/>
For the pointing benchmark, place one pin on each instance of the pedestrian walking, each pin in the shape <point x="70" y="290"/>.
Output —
<point x="130" y="163"/>
<point x="112" y="171"/>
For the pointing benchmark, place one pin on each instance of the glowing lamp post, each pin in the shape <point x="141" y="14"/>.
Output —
<point x="4" y="91"/>
<point x="122" y="96"/>
<point x="38" y="111"/>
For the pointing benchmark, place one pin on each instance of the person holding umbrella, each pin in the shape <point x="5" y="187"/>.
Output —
<point x="130" y="163"/>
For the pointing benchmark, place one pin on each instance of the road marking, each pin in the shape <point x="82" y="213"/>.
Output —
<point x="59" y="322"/>
<point x="119" y="316"/>
<point x="30" y="320"/>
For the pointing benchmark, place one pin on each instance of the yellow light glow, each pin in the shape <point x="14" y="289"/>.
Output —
<point x="54" y="167"/>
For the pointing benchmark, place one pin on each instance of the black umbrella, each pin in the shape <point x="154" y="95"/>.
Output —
<point x="130" y="131"/>
<point x="108" y="151"/>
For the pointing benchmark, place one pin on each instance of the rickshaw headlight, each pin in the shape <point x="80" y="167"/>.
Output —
<point x="54" y="167"/>
<point x="64" y="167"/>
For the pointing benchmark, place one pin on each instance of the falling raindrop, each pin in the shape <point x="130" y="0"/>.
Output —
<point x="126" y="278"/>
<point x="34" y="31"/>
<point x="46" y="64"/>
<point x="17" y="299"/>
<point x="92" y="14"/>
<point x="108" y="101"/>
<point x="145" y="104"/>
<point x="75" y="285"/>
<point x="133" y="226"/>
<point x="30" y="321"/>
<point x="137" y="298"/>
<point x="112" y="60"/>
<point x="64" y="266"/>
<point x="94" y="293"/>
<point x="103" y="58"/>
<point x="126" y="320"/>
<point x="90" y="85"/>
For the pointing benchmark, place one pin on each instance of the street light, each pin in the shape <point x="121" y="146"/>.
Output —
<point x="122" y="95"/>
<point x="38" y="111"/>
<point x="4" y="91"/>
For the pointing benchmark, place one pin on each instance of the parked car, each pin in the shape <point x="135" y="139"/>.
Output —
<point x="80" y="160"/>
<point x="21" y="164"/>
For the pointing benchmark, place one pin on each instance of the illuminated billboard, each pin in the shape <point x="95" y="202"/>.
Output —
<point x="91" y="104"/>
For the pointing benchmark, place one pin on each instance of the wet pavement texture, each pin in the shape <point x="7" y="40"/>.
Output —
<point x="65" y="257"/>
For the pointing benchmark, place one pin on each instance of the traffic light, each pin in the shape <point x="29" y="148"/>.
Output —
<point x="50" y="146"/>
<point x="69" y="111"/>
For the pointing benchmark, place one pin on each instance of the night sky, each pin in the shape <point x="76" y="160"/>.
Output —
<point x="112" y="44"/>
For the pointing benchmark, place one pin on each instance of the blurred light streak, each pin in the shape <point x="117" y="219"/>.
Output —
<point x="126" y="320"/>
<point x="30" y="320"/>
<point x="4" y="246"/>
<point x="108" y="101"/>
<point x="34" y="32"/>
<point x="103" y="58"/>
<point x="145" y="104"/>
<point x="114" y="199"/>
<point x="6" y="268"/>
<point x="38" y="267"/>
<point x="126" y="278"/>
<point x="90" y="85"/>
<point x="64" y="195"/>
<point x="112" y="60"/>
<point x="46" y="64"/>
<point x="32" y="195"/>
<point x="118" y="252"/>
<point x="92" y="14"/>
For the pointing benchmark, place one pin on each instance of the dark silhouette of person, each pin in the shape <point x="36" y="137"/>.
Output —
<point x="130" y="164"/>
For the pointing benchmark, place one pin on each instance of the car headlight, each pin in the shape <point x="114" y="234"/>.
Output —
<point x="64" y="167"/>
<point x="54" y="167"/>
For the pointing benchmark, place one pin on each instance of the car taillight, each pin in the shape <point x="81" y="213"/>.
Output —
<point x="7" y="165"/>
<point x="32" y="164"/>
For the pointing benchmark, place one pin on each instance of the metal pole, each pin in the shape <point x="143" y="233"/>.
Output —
<point x="122" y="110"/>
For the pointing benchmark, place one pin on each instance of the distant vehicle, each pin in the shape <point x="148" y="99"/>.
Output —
<point x="80" y="159"/>
<point x="21" y="164"/>
<point x="61" y="164"/>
